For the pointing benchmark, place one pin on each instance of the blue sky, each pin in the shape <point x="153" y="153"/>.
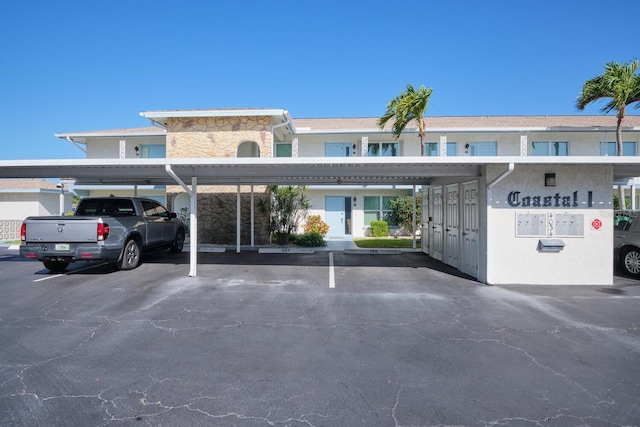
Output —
<point x="72" y="66"/>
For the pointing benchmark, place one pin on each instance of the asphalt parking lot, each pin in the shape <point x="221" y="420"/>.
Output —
<point x="288" y="340"/>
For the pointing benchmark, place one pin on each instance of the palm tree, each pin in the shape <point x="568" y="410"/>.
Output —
<point x="620" y="83"/>
<point x="410" y="105"/>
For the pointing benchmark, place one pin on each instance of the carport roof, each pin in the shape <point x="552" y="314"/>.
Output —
<point x="286" y="171"/>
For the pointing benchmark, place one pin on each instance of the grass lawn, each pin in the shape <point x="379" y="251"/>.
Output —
<point x="385" y="242"/>
<point x="12" y="242"/>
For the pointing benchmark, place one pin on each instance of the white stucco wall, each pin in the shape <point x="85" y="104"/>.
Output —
<point x="584" y="260"/>
<point x="109" y="147"/>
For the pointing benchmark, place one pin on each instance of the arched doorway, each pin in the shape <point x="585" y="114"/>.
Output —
<point x="248" y="149"/>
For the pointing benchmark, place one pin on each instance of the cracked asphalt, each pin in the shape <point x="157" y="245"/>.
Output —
<point x="262" y="340"/>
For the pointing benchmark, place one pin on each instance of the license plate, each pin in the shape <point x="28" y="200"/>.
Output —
<point x="62" y="246"/>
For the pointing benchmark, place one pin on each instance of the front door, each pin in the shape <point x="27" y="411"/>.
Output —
<point x="470" y="231"/>
<point x="452" y="239"/>
<point x="334" y="208"/>
<point x="437" y="228"/>
<point x="337" y="149"/>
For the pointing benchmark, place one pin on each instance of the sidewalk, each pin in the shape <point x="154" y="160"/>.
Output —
<point x="342" y="245"/>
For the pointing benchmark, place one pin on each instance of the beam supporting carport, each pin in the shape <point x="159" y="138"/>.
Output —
<point x="193" y="218"/>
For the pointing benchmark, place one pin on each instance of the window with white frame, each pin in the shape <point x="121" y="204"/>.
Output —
<point x="431" y="149"/>
<point x="284" y="150"/>
<point x="483" y="148"/>
<point x="383" y="149"/>
<point x="377" y="208"/>
<point x="609" y="148"/>
<point x="153" y="151"/>
<point x="549" y="148"/>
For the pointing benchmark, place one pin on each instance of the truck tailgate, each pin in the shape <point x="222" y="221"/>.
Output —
<point x="62" y="229"/>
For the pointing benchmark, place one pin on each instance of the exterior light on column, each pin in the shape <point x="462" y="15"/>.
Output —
<point x="549" y="179"/>
<point x="354" y="200"/>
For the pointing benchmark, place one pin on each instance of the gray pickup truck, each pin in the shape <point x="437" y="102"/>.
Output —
<point x="113" y="229"/>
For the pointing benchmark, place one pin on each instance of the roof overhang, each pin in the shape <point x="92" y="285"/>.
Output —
<point x="288" y="171"/>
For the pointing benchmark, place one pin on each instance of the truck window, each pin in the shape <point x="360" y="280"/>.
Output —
<point x="152" y="208"/>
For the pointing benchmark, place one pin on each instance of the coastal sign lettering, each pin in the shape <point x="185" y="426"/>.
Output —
<point x="516" y="199"/>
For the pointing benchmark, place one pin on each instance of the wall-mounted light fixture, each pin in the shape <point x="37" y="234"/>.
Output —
<point x="354" y="147"/>
<point x="354" y="200"/>
<point x="466" y="148"/>
<point x="549" y="179"/>
<point x="137" y="150"/>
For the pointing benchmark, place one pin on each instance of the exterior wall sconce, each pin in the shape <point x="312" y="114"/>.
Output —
<point x="549" y="179"/>
<point x="137" y="150"/>
<point x="354" y="200"/>
<point x="466" y="148"/>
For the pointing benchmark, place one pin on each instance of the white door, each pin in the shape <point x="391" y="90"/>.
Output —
<point x="470" y="231"/>
<point x="337" y="149"/>
<point x="437" y="227"/>
<point x="425" y="226"/>
<point x="452" y="219"/>
<point x="334" y="215"/>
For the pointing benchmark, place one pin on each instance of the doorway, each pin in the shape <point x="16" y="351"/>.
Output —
<point x="338" y="216"/>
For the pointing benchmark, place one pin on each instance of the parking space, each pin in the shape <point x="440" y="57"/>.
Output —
<point x="271" y="339"/>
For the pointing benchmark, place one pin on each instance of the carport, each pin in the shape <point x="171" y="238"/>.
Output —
<point x="189" y="173"/>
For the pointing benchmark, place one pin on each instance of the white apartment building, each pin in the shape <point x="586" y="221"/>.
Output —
<point x="506" y="199"/>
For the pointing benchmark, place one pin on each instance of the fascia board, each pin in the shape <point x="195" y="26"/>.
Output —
<point x="212" y="113"/>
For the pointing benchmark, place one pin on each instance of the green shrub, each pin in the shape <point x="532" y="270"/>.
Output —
<point x="317" y="225"/>
<point x="309" y="240"/>
<point x="379" y="229"/>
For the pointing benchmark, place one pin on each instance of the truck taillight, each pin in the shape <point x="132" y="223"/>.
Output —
<point x="103" y="231"/>
<point x="23" y="231"/>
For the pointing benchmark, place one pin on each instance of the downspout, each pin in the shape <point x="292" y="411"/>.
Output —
<point x="273" y="139"/>
<point x="490" y="186"/>
<point x="193" y="218"/>
<point x="75" y="144"/>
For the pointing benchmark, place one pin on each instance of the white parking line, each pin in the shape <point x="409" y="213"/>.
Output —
<point x="47" y="278"/>
<point x="70" y="272"/>
<point x="332" y="275"/>
<point x="6" y="256"/>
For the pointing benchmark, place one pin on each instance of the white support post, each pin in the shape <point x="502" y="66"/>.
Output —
<point x="414" y="217"/>
<point x="253" y="239"/>
<point x="523" y="145"/>
<point x="364" y="148"/>
<point x="294" y="147"/>
<point x="193" y="227"/>
<point x="193" y="216"/>
<point x="238" y="221"/>
<point x="442" y="145"/>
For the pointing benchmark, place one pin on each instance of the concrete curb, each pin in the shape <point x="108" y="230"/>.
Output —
<point x="286" y="250"/>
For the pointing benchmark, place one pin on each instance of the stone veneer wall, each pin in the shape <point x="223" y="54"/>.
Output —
<point x="210" y="137"/>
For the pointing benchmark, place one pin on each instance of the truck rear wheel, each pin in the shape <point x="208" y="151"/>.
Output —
<point x="130" y="255"/>
<point x="55" y="266"/>
<point x="178" y="243"/>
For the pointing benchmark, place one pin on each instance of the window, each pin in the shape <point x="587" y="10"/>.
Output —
<point x="545" y="148"/>
<point x="377" y="208"/>
<point x="153" y="151"/>
<point x="431" y="149"/>
<point x="284" y="150"/>
<point x="609" y="148"/>
<point x="152" y="208"/>
<point x="483" y="148"/>
<point x="383" y="149"/>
